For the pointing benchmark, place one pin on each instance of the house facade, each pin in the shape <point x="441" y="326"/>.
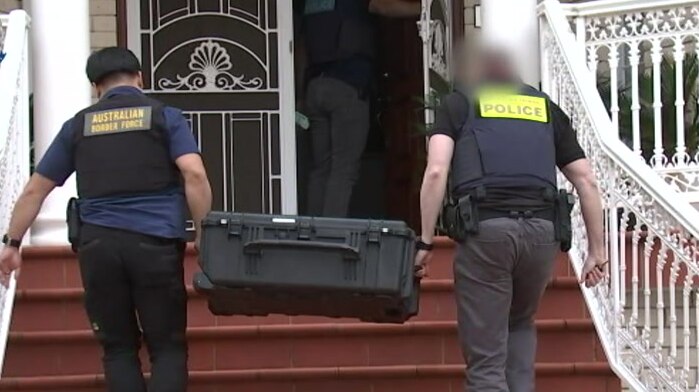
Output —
<point x="624" y="71"/>
<point x="230" y="66"/>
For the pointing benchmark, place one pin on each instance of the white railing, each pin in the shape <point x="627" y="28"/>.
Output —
<point x="646" y="315"/>
<point x="14" y="137"/>
<point x="643" y="54"/>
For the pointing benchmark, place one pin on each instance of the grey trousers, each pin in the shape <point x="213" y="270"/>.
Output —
<point x="339" y="127"/>
<point x="500" y="275"/>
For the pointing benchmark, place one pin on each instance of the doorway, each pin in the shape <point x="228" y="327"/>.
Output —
<point x="386" y="188"/>
<point x="406" y="70"/>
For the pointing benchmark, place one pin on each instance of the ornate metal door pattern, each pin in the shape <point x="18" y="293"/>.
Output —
<point x="435" y="31"/>
<point x="220" y="62"/>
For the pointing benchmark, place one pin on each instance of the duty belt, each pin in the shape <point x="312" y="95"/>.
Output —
<point x="485" y="214"/>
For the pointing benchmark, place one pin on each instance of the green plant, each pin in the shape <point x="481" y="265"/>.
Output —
<point x="668" y="113"/>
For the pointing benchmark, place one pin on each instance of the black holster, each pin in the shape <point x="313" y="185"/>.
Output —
<point x="563" y="223"/>
<point x="452" y="225"/>
<point x="74" y="223"/>
<point x="460" y="218"/>
<point x="468" y="211"/>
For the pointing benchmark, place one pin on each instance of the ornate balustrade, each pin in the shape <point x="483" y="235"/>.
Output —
<point x="646" y="313"/>
<point x="643" y="56"/>
<point x="14" y="136"/>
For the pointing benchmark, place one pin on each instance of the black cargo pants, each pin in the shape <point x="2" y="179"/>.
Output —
<point x="135" y="284"/>
<point x="500" y="275"/>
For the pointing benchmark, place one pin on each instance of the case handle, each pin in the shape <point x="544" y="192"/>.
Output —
<point x="349" y="252"/>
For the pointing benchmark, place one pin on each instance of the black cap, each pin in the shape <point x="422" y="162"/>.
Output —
<point x="107" y="61"/>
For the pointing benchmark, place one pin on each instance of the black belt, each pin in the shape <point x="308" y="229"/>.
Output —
<point x="487" y="213"/>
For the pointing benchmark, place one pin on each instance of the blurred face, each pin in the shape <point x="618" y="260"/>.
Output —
<point x="477" y="64"/>
<point x="468" y="66"/>
<point x="462" y="66"/>
<point x="474" y="72"/>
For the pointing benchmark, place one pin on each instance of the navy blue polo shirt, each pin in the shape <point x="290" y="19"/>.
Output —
<point x="160" y="214"/>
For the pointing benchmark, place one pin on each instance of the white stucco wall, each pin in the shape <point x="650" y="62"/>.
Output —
<point x="102" y="20"/>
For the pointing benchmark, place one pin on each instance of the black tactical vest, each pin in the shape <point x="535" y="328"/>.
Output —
<point x="121" y="148"/>
<point x="507" y="142"/>
<point x="338" y="30"/>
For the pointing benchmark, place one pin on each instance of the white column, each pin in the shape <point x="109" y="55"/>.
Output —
<point x="513" y="25"/>
<point x="60" y="46"/>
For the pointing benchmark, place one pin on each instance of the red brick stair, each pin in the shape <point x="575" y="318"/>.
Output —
<point x="51" y="348"/>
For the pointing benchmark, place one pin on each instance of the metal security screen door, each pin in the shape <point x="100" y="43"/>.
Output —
<point x="228" y="64"/>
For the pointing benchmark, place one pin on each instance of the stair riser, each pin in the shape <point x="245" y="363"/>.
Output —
<point x="544" y="384"/>
<point x="82" y="356"/>
<point x="62" y="271"/>
<point x="68" y="314"/>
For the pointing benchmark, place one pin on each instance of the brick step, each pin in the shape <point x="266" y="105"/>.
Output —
<point x="61" y="309"/>
<point x="51" y="349"/>
<point x="297" y="346"/>
<point x="57" y="267"/>
<point x="551" y="377"/>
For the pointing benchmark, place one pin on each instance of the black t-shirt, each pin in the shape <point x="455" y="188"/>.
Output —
<point x="452" y="114"/>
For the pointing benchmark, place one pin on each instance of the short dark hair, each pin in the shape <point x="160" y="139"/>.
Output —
<point x="110" y="61"/>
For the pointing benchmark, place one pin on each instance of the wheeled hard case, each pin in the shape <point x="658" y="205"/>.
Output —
<point x="260" y="264"/>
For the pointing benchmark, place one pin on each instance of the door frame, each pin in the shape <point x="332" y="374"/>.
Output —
<point x="126" y="37"/>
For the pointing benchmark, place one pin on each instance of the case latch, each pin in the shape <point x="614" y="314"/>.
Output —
<point x="304" y="230"/>
<point x="374" y="232"/>
<point x="235" y="227"/>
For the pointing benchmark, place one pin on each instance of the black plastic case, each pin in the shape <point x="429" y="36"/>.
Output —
<point x="260" y="264"/>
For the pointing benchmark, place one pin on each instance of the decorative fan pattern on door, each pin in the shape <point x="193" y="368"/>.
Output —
<point x="211" y="68"/>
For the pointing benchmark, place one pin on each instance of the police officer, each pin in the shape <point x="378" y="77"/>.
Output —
<point x="502" y="141"/>
<point x="136" y="163"/>
<point x="340" y="44"/>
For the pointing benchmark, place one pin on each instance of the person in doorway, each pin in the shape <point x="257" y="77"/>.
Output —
<point x="502" y="140"/>
<point x="340" y="45"/>
<point x="130" y="154"/>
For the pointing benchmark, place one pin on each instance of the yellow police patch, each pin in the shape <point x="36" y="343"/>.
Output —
<point x="118" y="120"/>
<point x="520" y="107"/>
